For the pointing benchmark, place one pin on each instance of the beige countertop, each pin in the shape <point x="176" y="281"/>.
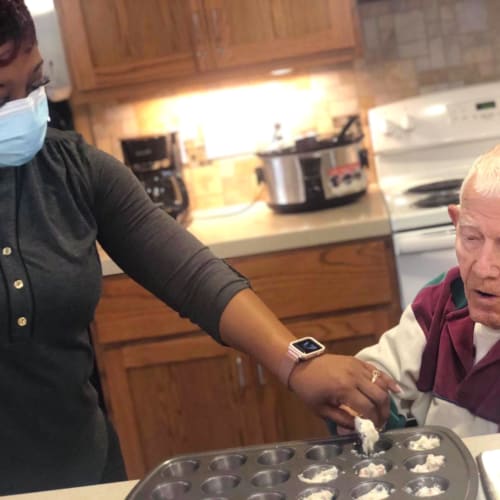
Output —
<point x="110" y="491"/>
<point x="249" y="230"/>
<point x="118" y="491"/>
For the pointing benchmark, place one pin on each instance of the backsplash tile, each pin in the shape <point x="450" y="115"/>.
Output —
<point x="410" y="47"/>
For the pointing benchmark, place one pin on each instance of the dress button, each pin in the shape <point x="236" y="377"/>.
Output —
<point x="18" y="284"/>
<point x="6" y="251"/>
<point x="22" y="321"/>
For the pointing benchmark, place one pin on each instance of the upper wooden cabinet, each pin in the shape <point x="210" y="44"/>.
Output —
<point x="253" y="31"/>
<point x="118" y="43"/>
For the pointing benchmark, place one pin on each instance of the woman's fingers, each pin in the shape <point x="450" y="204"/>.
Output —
<point x="384" y="381"/>
<point x="378" y="377"/>
<point x="375" y="409"/>
<point x="339" y="416"/>
<point x="329" y="381"/>
<point x="371" y="397"/>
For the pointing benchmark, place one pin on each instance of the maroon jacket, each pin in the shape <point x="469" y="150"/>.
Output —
<point x="448" y="369"/>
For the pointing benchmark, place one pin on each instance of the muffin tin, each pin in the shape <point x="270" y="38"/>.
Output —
<point x="271" y="472"/>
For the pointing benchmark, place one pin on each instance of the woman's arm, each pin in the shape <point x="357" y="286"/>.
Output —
<point x="323" y="383"/>
<point x="169" y="262"/>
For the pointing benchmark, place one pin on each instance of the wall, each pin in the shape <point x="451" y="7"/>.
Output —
<point x="410" y="47"/>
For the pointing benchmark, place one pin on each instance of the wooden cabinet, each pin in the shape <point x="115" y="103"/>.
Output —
<point x="111" y="43"/>
<point x="126" y="44"/>
<point x="171" y="389"/>
<point x="246" y="32"/>
<point x="177" y="396"/>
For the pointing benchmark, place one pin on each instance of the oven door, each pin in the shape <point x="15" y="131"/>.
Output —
<point x="421" y="255"/>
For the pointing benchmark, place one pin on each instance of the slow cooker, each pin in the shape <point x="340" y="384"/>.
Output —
<point x="316" y="173"/>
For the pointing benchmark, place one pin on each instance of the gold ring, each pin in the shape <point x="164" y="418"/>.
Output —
<point x="375" y="376"/>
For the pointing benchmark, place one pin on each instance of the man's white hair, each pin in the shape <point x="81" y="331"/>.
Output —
<point x="485" y="174"/>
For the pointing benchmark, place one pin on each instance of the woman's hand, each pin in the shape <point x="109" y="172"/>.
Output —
<point x="324" y="382"/>
<point x="328" y="381"/>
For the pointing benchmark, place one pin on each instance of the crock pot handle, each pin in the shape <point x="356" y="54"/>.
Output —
<point x="259" y="173"/>
<point x="347" y="126"/>
<point x="363" y="157"/>
<point x="183" y="191"/>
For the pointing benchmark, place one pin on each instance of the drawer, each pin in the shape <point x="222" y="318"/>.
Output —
<point x="127" y="311"/>
<point x="292" y="283"/>
<point x="322" y="279"/>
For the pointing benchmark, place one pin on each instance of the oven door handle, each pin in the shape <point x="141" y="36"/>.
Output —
<point x="424" y="240"/>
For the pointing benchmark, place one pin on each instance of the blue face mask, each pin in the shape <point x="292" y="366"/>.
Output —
<point x="23" y="125"/>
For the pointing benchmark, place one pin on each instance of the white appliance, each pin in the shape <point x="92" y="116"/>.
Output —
<point x="51" y="48"/>
<point x="423" y="148"/>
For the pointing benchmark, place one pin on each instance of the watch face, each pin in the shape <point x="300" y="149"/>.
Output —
<point x="307" y="345"/>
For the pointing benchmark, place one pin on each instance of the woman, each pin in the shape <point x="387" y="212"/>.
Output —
<point x="58" y="196"/>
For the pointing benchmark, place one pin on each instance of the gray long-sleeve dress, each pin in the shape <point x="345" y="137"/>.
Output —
<point x="52" y="211"/>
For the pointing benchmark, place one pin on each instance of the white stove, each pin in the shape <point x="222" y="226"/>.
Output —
<point x="423" y="148"/>
<point x="422" y="203"/>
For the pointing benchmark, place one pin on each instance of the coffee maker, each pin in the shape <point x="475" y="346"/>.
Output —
<point x="157" y="163"/>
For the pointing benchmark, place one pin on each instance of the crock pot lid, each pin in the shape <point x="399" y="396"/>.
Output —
<point x="313" y="145"/>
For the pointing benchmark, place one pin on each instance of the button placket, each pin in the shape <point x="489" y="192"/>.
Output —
<point x="19" y="299"/>
<point x="22" y="321"/>
<point x="16" y="285"/>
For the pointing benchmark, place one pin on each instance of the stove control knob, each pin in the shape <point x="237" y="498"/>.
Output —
<point x="388" y="127"/>
<point x="407" y="123"/>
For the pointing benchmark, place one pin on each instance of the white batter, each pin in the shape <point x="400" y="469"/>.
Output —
<point x="372" y="470"/>
<point x="322" y="476"/>
<point x="429" y="491"/>
<point x="369" y="435"/>
<point x="432" y="463"/>
<point x="377" y="493"/>
<point x="424" y="443"/>
<point x="319" y="495"/>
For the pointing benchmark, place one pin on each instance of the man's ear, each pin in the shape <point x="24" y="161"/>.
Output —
<point x="453" y="212"/>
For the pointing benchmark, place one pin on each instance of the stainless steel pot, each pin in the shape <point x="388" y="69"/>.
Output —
<point x="315" y="174"/>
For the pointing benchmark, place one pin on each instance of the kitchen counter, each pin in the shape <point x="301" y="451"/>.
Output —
<point x="110" y="491"/>
<point x="250" y="230"/>
<point x="118" y="491"/>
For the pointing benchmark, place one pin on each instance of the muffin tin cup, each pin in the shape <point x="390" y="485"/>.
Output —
<point x="271" y="472"/>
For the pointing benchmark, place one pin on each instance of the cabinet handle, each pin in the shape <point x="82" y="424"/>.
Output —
<point x="241" y="372"/>
<point x="217" y="30"/>
<point x="260" y="374"/>
<point x="197" y="33"/>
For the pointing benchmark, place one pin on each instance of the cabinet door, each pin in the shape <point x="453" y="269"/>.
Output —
<point x="284" y="417"/>
<point x="179" y="396"/>
<point x="253" y="31"/>
<point x="111" y="43"/>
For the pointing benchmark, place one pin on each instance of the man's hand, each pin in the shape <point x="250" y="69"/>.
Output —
<point x="328" y="381"/>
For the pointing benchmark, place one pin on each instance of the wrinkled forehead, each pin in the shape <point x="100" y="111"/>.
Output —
<point x="478" y="210"/>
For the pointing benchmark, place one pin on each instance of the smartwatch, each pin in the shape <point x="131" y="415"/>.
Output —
<point x="299" y="350"/>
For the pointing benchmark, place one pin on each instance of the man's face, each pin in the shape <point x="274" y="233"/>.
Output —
<point x="477" y="221"/>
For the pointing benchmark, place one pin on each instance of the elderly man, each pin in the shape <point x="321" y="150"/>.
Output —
<point x="445" y="352"/>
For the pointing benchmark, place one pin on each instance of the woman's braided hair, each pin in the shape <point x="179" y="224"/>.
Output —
<point x="16" y="25"/>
